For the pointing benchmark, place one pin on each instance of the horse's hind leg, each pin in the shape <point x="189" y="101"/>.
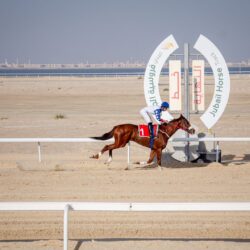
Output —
<point x="114" y="146"/>
<point x="109" y="148"/>
<point x="105" y="148"/>
<point x="110" y="157"/>
<point x="121" y="139"/>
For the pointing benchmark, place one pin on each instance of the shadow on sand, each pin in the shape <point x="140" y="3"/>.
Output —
<point x="235" y="240"/>
<point x="169" y="162"/>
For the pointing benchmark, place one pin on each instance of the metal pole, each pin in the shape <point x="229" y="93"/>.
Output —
<point x="186" y="93"/>
<point x="65" y="227"/>
<point x="186" y="79"/>
<point x="217" y="151"/>
<point x="39" y="152"/>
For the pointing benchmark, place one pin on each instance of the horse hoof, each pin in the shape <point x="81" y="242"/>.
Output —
<point x="140" y="162"/>
<point x="94" y="157"/>
<point x="150" y="165"/>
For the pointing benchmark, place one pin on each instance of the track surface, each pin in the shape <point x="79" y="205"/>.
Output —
<point x="28" y="109"/>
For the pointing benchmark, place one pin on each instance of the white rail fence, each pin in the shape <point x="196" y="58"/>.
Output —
<point x="85" y="140"/>
<point x="128" y="207"/>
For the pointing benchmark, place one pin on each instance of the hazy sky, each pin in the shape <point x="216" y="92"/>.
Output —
<point x="97" y="31"/>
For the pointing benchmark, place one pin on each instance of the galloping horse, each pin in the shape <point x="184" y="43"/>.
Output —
<point x="129" y="132"/>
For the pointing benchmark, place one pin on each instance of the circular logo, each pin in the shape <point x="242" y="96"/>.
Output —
<point x="220" y="71"/>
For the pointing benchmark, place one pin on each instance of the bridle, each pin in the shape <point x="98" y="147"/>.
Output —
<point x="187" y="129"/>
<point x="180" y="125"/>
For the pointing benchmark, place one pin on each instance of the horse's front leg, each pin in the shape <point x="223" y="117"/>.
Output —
<point x="159" y="154"/>
<point x="150" y="160"/>
<point x="151" y="157"/>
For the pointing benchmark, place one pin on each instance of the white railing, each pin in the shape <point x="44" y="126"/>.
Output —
<point x="40" y="140"/>
<point x="84" y="140"/>
<point x="111" y="206"/>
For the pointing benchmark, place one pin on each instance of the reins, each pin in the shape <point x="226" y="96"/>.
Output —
<point x="163" y="132"/>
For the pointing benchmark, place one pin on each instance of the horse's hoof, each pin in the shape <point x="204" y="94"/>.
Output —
<point x="94" y="157"/>
<point x="150" y="165"/>
<point x="108" y="161"/>
<point x="140" y="162"/>
<point x="127" y="168"/>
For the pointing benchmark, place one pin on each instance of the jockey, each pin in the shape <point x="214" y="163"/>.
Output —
<point x="155" y="112"/>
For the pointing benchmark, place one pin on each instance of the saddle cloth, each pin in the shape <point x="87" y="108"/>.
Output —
<point x="144" y="131"/>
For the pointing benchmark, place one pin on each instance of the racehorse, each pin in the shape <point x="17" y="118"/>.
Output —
<point x="129" y="132"/>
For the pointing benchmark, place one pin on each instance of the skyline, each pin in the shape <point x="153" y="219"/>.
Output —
<point x="60" y="31"/>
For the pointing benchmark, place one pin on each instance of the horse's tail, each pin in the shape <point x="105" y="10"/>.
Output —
<point x="105" y="136"/>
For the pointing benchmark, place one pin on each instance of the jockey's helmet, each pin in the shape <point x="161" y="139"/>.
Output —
<point x="165" y="105"/>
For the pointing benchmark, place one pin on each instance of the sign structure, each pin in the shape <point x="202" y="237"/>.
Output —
<point x="221" y="77"/>
<point x="153" y="70"/>
<point x="198" y="87"/>
<point x="175" y="84"/>
<point x="220" y="72"/>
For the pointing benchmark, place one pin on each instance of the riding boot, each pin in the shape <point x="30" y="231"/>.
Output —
<point x="151" y="132"/>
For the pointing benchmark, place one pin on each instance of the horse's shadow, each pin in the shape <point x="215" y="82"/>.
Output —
<point x="171" y="163"/>
<point x="230" y="158"/>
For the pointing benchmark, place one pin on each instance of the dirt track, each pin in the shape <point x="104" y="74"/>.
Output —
<point x="28" y="108"/>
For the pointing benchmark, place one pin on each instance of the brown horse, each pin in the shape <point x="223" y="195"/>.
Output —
<point x="129" y="132"/>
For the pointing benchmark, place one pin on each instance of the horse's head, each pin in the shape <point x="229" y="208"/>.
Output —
<point x="184" y="124"/>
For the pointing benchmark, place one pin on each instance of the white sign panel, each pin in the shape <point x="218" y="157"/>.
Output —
<point x="153" y="70"/>
<point x="175" y="85"/>
<point x="198" y="87"/>
<point x="221" y="77"/>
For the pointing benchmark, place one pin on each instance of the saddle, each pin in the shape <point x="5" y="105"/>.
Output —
<point x="144" y="131"/>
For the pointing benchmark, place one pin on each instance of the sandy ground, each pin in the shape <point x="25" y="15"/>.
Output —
<point x="92" y="106"/>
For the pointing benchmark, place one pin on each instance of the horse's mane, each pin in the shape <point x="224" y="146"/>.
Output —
<point x="172" y="121"/>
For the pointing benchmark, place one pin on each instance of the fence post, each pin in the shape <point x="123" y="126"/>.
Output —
<point x="128" y="154"/>
<point x="65" y="227"/>
<point x="39" y="152"/>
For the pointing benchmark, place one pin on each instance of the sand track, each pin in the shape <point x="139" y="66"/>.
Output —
<point x="92" y="107"/>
